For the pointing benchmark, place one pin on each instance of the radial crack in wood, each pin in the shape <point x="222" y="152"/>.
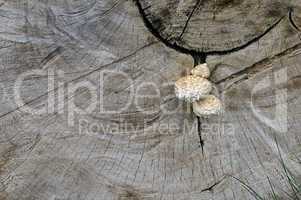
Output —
<point x="150" y="149"/>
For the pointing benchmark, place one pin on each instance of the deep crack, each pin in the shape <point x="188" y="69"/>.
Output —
<point x="292" y="21"/>
<point x="200" y="59"/>
<point x="210" y="188"/>
<point x="202" y="142"/>
<point x="189" y="17"/>
<point x="258" y="67"/>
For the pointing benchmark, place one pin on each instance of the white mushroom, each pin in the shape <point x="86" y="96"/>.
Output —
<point x="201" y="70"/>
<point x="209" y="105"/>
<point x="192" y="88"/>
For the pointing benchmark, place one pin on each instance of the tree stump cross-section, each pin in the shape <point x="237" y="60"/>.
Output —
<point x="143" y="152"/>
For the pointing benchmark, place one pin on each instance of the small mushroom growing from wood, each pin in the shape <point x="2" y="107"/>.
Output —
<point x="201" y="70"/>
<point x="207" y="106"/>
<point x="192" y="88"/>
<point x="195" y="88"/>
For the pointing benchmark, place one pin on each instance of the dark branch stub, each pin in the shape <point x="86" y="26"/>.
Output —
<point x="210" y="27"/>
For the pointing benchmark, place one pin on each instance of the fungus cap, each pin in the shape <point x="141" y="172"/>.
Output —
<point x="192" y="88"/>
<point x="201" y="70"/>
<point x="209" y="105"/>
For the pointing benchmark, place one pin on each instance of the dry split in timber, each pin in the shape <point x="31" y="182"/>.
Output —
<point x="253" y="53"/>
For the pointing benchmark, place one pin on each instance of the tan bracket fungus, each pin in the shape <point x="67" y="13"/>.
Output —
<point x="210" y="105"/>
<point x="196" y="89"/>
<point x="192" y="88"/>
<point x="201" y="70"/>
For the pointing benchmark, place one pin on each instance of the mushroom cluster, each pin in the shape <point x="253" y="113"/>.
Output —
<point x="196" y="89"/>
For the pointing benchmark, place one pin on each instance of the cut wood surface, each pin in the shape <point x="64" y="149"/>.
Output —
<point x="213" y="26"/>
<point x="150" y="149"/>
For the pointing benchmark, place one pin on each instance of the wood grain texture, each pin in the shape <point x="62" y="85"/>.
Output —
<point x="213" y="26"/>
<point x="155" y="155"/>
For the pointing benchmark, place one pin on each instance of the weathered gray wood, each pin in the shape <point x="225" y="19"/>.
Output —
<point x="43" y="157"/>
<point x="280" y="41"/>
<point x="210" y="26"/>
